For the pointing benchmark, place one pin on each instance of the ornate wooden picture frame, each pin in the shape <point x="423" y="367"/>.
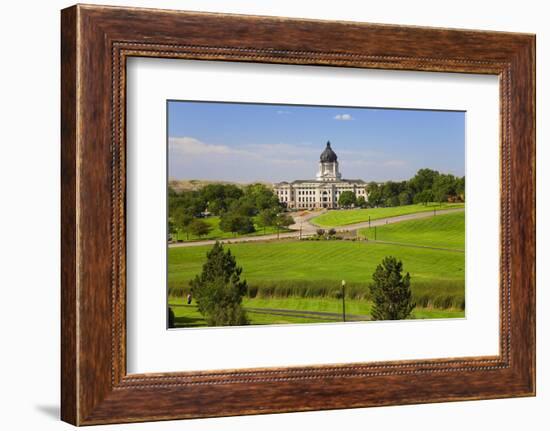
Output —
<point x="96" y="42"/>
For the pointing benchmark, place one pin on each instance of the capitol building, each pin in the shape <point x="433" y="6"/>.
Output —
<point x="324" y="190"/>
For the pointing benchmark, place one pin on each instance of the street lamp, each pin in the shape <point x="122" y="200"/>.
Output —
<point x="344" y="299"/>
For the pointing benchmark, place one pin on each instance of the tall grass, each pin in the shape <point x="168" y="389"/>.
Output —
<point x="445" y="294"/>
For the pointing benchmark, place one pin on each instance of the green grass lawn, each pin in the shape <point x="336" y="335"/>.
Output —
<point x="351" y="216"/>
<point x="217" y="233"/>
<point x="445" y="230"/>
<point x="188" y="316"/>
<point x="303" y="268"/>
<point x="353" y="261"/>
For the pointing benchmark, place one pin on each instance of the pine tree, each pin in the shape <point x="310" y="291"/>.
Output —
<point x="171" y="318"/>
<point x="391" y="292"/>
<point x="218" y="290"/>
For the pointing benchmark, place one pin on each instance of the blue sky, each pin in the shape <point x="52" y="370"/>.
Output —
<point x="257" y="142"/>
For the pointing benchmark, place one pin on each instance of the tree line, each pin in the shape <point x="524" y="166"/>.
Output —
<point x="241" y="209"/>
<point x="426" y="186"/>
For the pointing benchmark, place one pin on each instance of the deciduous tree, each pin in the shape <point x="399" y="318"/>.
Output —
<point x="424" y="197"/>
<point x="347" y="199"/>
<point x="444" y="187"/>
<point x="283" y="220"/>
<point x="405" y="198"/>
<point x="236" y="223"/>
<point x="266" y="218"/>
<point x="199" y="227"/>
<point x="423" y="180"/>
<point x="181" y="220"/>
<point x="361" y="202"/>
<point x="375" y="194"/>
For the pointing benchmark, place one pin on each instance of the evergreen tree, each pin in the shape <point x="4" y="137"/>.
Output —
<point x="391" y="292"/>
<point x="171" y="318"/>
<point x="219" y="290"/>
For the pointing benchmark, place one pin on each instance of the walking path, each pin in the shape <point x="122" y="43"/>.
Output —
<point x="300" y="221"/>
<point x="303" y="228"/>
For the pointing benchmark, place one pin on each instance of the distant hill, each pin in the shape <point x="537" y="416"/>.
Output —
<point x="188" y="185"/>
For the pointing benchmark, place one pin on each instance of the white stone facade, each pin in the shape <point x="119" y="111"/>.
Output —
<point x="322" y="192"/>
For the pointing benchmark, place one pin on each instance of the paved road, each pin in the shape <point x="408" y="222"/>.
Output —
<point x="306" y="314"/>
<point x="303" y="227"/>
<point x="299" y="221"/>
<point x="302" y="314"/>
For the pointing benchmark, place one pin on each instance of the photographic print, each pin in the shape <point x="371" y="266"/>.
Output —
<point x="293" y="214"/>
<point x="221" y="186"/>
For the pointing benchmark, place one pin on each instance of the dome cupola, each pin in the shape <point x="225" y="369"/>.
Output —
<point x="328" y="156"/>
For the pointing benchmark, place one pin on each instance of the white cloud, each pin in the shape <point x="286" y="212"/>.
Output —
<point x="193" y="147"/>
<point x="186" y="149"/>
<point x="343" y="117"/>
<point x="191" y="158"/>
<point x="280" y="153"/>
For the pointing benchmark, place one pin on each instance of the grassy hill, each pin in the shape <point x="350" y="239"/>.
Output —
<point x="445" y="230"/>
<point x="351" y="216"/>
<point x="315" y="269"/>
<point x="188" y="185"/>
